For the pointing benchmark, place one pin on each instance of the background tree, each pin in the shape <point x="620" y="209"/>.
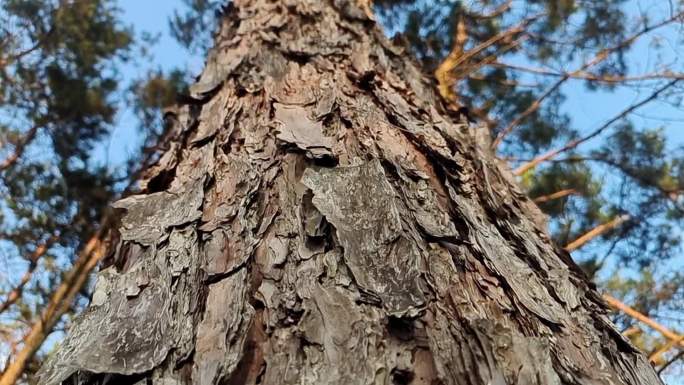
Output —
<point x="60" y="91"/>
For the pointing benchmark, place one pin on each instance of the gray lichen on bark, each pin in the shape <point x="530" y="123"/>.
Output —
<point x="317" y="216"/>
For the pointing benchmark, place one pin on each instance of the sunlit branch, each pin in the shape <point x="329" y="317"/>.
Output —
<point x="62" y="298"/>
<point x="16" y="293"/>
<point x="633" y="330"/>
<point x="667" y="333"/>
<point x="595" y="232"/>
<point x="443" y="72"/>
<point x="664" y="348"/>
<point x="556" y="195"/>
<point x="58" y="304"/>
<point x="456" y="57"/>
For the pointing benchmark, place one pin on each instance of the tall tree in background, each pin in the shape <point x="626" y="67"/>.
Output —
<point x="59" y="90"/>
<point x="317" y="215"/>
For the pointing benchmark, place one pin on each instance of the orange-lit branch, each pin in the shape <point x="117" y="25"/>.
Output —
<point x="556" y="195"/>
<point x="595" y="232"/>
<point x="457" y="56"/>
<point x="667" y="333"/>
<point x="58" y="304"/>
<point x="15" y="294"/>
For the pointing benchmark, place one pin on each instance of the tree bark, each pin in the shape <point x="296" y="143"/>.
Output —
<point x="319" y="218"/>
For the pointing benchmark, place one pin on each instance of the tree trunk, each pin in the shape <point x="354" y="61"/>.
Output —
<point x="318" y="217"/>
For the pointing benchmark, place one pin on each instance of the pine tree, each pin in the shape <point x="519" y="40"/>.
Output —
<point x="318" y="215"/>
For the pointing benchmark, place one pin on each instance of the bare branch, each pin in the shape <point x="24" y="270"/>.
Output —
<point x="576" y="142"/>
<point x="556" y="195"/>
<point x="595" y="232"/>
<point x="674" y="359"/>
<point x="654" y="357"/>
<point x="591" y="76"/>
<point x="457" y="57"/>
<point x="58" y="304"/>
<point x="669" y="334"/>
<point x="16" y="293"/>
<point x="443" y="71"/>
<point x="600" y="56"/>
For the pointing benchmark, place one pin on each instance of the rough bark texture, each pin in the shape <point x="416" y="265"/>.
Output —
<point x="319" y="218"/>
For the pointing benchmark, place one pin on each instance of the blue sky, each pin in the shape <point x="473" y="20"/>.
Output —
<point x="150" y="16"/>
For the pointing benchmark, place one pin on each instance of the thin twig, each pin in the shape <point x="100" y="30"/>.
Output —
<point x="576" y="142"/>
<point x="600" y="56"/>
<point x="57" y="305"/>
<point x="653" y="358"/>
<point x="591" y="76"/>
<point x="670" y="362"/>
<point x="457" y="57"/>
<point x="16" y="293"/>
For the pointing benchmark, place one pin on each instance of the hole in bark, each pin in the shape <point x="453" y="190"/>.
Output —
<point x="292" y="317"/>
<point x="252" y="365"/>
<point x="401" y="328"/>
<point x="161" y="181"/>
<point x="326" y="161"/>
<point x="401" y="376"/>
<point x="300" y="58"/>
<point x="365" y="81"/>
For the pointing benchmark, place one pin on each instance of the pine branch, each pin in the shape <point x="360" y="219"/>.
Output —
<point x="16" y="293"/>
<point x="62" y="298"/>
<point x="58" y="304"/>
<point x="600" y="57"/>
<point x="667" y="74"/>
<point x="670" y="362"/>
<point x="664" y="348"/>
<point x="457" y="56"/>
<point x="667" y="333"/>
<point x="595" y="232"/>
<point x="576" y="142"/>
<point x="19" y="148"/>
<point x="556" y="195"/>
<point x="443" y="71"/>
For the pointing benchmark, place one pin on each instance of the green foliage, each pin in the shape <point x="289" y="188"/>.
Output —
<point x="193" y="29"/>
<point x="59" y="89"/>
